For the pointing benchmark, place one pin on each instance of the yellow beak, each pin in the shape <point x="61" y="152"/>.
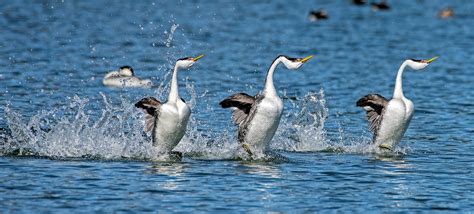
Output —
<point x="198" y="57"/>
<point x="306" y="59"/>
<point x="432" y="59"/>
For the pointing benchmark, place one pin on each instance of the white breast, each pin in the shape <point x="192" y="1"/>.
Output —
<point x="395" y="122"/>
<point x="126" y="82"/>
<point x="264" y="123"/>
<point x="171" y="126"/>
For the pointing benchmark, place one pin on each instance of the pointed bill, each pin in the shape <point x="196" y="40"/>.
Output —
<point x="432" y="59"/>
<point x="198" y="57"/>
<point x="306" y="58"/>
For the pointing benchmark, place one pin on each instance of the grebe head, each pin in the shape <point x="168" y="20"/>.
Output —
<point x="126" y="71"/>
<point x="294" y="63"/>
<point x="187" y="62"/>
<point x="416" y="64"/>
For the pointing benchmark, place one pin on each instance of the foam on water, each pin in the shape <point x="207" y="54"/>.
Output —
<point x="302" y="128"/>
<point x="115" y="130"/>
<point x="73" y="131"/>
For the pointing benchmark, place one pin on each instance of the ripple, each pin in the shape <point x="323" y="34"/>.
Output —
<point x="68" y="144"/>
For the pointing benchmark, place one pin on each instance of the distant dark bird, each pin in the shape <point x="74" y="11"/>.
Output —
<point x="316" y="15"/>
<point x="446" y="13"/>
<point x="380" y="6"/>
<point x="359" y="2"/>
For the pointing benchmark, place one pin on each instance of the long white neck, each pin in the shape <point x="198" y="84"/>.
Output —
<point x="174" y="96"/>
<point x="398" y="91"/>
<point x="269" y="87"/>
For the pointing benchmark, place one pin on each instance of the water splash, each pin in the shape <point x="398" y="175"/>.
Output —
<point x="303" y="130"/>
<point x="360" y="144"/>
<point x="201" y="142"/>
<point x="115" y="132"/>
<point x="71" y="132"/>
<point x="168" y="41"/>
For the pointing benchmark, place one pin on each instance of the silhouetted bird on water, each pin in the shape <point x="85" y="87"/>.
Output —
<point x="359" y="2"/>
<point x="380" y="6"/>
<point x="316" y="15"/>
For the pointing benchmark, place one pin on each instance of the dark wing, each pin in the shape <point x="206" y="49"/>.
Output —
<point x="151" y="106"/>
<point x="242" y="104"/>
<point x="374" y="105"/>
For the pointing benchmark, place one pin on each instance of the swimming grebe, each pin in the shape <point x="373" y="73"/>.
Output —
<point x="316" y="15"/>
<point x="124" y="77"/>
<point x="383" y="5"/>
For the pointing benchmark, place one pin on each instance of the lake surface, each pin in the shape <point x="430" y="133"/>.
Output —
<point x="70" y="144"/>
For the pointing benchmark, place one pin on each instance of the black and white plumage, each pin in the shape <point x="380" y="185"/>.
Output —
<point x="316" y="15"/>
<point x="242" y="104"/>
<point x="383" y="5"/>
<point x="168" y="121"/>
<point x="151" y="107"/>
<point x="389" y="119"/>
<point x="258" y="117"/>
<point x="244" y="109"/>
<point x="374" y="105"/>
<point x="125" y="77"/>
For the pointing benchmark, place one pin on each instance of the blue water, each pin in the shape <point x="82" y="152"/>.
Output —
<point x="68" y="143"/>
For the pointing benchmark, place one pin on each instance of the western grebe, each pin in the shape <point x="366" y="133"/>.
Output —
<point x="257" y="117"/>
<point x="168" y="121"/>
<point x="124" y="77"/>
<point x="389" y="119"/>
<point x="316" y="15"/>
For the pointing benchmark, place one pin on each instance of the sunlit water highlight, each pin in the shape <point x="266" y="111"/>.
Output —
<point x="72" y="131"/>
<point x="69" y="144"/>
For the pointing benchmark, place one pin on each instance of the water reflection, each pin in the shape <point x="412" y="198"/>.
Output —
<point x="394" y="175"/>
<point x="397" y="167"/>
<point x="355" y="48"/>
<point x="262" y="169"/>
<point x="174" y="169"/>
